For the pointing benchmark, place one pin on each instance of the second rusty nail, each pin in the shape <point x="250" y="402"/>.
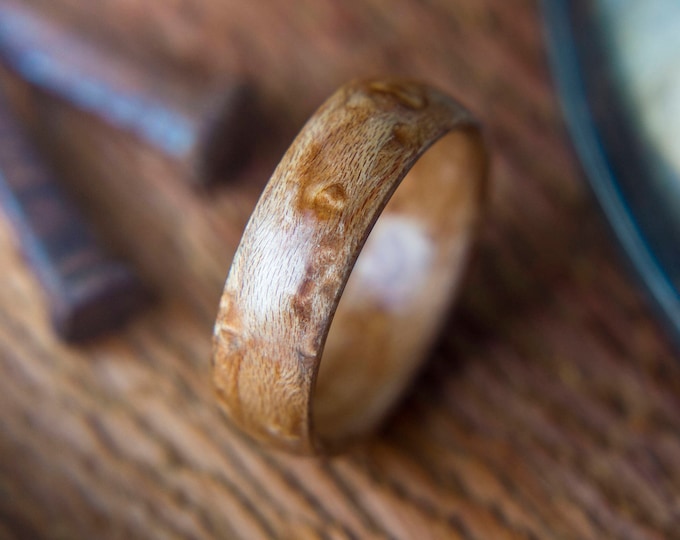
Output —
<point x="210" y="131"/>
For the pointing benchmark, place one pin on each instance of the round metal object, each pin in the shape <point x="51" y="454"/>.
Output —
<point x="617" y="66"/>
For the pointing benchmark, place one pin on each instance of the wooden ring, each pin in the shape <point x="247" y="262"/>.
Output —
<point x="294" y="272"/>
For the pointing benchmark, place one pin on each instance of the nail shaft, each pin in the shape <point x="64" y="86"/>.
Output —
<point x="87" y="291"/>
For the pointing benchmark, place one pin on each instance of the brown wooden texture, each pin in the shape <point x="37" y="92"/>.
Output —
<point x="548" y="411"/>
<point x="282" y="371"/>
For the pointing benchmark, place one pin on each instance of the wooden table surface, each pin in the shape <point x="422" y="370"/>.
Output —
<point x="549" y="409"/>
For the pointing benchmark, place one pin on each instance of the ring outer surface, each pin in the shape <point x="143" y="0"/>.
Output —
<point x="300" y="244"/>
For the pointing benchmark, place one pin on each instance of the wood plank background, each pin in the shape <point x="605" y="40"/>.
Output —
<point x="549" y="409"/>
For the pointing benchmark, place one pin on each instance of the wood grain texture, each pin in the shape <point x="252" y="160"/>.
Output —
<point x="549" y="409"/>
<point x="278" y="371"/>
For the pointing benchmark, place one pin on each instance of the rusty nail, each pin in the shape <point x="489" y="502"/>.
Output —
<point x="210" y="131"/>
<point x="88" y="292"/>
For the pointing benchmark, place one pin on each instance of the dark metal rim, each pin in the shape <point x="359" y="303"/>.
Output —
<point x="630" y="232"/>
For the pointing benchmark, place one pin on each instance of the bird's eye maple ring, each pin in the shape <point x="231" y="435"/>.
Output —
<point x="345" y="272"/>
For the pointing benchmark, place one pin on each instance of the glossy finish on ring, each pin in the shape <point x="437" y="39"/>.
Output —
<point x="301" y="245"/>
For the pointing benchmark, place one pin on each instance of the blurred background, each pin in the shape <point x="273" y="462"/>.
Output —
<point x="547" y="410"/>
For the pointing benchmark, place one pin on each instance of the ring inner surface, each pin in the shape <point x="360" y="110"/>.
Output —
<point x="400" y="289"/>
